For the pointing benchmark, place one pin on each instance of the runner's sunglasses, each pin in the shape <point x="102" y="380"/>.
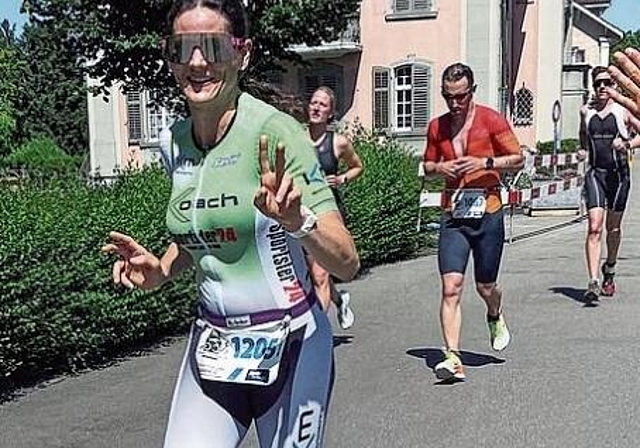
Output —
<point x="602" y="82"/>
<point x="215" y="47"/>
<point x="457" y="97"/>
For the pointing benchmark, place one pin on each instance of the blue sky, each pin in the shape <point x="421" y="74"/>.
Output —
<point x="623" y="13"/>
<point x="10" y="9"/>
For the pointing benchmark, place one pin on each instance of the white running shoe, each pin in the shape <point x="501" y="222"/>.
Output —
<point x="344" y="313"/>
<point x="451" y="368"/>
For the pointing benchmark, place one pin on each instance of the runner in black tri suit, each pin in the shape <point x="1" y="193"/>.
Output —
<point x="604" y="133"/>
<point x="331" y="149"/>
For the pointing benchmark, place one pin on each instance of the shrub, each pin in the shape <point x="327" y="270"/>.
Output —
<point x="566" y="146"/>
<point x="59" y="311"/>
<point x="7" y="131"/>
<point x="41" y="155"/>
<point x="382" y="205"/>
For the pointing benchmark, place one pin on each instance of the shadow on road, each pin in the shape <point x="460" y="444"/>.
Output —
<point x="338" y="340"/>
<point x="433" y="356"/>
<point x="572" y="293"/>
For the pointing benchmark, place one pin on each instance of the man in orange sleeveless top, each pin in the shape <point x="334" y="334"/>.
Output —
<point x="469" y="146"/>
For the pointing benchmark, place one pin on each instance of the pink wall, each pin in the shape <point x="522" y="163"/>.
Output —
<point x="436" y="40"/>
<point x="526" y="60"/>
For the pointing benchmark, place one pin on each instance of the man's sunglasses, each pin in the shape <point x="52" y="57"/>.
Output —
<point x="457" y="97"/>
<point x="602" y="82"/>
<point x="215" y="47"/>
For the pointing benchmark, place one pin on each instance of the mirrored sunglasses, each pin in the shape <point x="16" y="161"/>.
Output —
<point x="215" y="47"/>
<point x="602" y="82"/>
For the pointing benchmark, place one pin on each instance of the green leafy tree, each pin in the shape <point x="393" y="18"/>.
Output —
<point x="119" y="40"/>
<point x="630" y="39"/>
<point x="53" y="101"/>
<point x="11" y="68"/>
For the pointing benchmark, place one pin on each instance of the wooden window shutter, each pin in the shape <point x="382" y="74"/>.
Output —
<point x="421" y="92"/>
<point x="134" y="114"/>
<point x="401" y="5"/>
<point x="422" y="5"/>
<point x="381" y="97"/>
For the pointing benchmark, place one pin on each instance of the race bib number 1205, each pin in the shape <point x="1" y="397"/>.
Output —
<point x="245" y="356"/>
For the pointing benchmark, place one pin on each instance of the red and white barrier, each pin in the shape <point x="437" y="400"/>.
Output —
<point x="518" y="197"/>
<point x="515" y="197"/>
<point x="554" y="160"/>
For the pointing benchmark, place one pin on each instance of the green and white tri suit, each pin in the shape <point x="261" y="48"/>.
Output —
<point x="246" y="264"/>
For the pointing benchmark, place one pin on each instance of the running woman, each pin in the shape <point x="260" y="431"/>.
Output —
<point x="605" y="140"/>
<point x="469" y="146"/>
<point x="260" y="349"/>
<point x="331" y="149"/>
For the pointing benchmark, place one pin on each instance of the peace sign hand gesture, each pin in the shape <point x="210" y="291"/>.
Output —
<point x="277" y="198"/>
<point x="137" y="267"/>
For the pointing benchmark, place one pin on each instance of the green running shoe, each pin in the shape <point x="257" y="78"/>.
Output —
<point x="500" y="336"/>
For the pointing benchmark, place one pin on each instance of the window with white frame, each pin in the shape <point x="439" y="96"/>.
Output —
<point x="145" y="116"/>
<point x="158" y="117"/>
<point x="412" y="6"/>
<point x="402" y="97"/>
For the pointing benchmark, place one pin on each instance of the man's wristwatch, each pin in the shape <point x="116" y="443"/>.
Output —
<point x="309" y="224"/>
<point x="627" y="145"/>
<point x="489" y="163"/>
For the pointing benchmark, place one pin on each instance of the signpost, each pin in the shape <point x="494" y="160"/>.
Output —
<point x="555" y="116"/>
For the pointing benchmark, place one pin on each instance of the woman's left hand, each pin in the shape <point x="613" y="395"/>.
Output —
<point x="278" y="198"/>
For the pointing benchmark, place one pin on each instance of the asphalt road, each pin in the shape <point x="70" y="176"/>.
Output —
<point x="569" y="378"/>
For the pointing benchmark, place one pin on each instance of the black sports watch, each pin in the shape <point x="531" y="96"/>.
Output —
<point x="489" y="163"/>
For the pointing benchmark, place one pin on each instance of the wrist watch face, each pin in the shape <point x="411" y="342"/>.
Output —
<point x="489" y="163"/>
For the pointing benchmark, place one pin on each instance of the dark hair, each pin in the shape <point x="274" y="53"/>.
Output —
<point x="233" y="10"/>
<point x="457" y="71"/>
<point x="597" y="70"/>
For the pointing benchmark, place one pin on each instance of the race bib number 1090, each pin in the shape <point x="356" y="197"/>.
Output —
<point x="468" y="204"/>
<point x="245" y="356"/>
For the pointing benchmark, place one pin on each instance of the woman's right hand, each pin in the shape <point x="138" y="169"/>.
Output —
<point x="137" y="267"/>
<point x="333" y="181"/>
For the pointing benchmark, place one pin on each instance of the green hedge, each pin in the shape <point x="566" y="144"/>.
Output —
<point x="382" y="205"/>
<point x="59" y="311"/>
<point x="41" y="155"/>
<point x="566" y="146"/>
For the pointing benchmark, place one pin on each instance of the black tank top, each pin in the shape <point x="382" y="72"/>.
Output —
<point x="601" y="132"/>
<point x="326" y="157"/>
<point x="329" y="164"/>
